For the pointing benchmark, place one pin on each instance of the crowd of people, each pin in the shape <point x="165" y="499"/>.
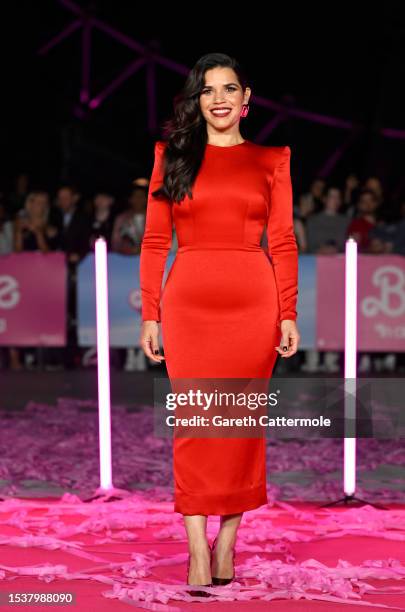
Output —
<point x="324" y="216"/>
<point x="32" y="220"/>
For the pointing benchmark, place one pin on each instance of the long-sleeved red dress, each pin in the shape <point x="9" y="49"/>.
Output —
<point x="222" y="302"/>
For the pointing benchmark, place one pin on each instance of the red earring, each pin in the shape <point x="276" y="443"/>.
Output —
<point x="245" y="110"/>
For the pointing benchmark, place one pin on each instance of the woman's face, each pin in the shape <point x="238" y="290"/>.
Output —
<point x="37" y="205"/>
<point x="103" y="201"/>
<point x="42" y="202"/>
<point x="374" y="184"/>
<point x="222" y="90"/>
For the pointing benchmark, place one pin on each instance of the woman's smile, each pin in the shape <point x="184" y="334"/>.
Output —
<point x="221" y="112"/>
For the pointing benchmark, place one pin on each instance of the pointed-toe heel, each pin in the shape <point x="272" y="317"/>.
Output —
<point x="196" y="592"/>
<point x="222" y="581"/>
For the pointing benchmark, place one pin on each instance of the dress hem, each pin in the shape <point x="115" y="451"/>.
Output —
<point x="219" y="504"/>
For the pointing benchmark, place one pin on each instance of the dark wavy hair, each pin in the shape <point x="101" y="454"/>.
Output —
<point x="185" y="132"/>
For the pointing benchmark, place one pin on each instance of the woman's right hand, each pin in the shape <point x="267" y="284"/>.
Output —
<point x="149" y="340"/>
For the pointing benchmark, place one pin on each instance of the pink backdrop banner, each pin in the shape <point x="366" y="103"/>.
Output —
<point x="33" y="299"/>
<point x="380" y="302"/>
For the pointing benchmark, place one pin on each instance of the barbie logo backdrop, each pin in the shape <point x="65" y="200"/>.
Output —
<point x="381" y="302"/>
<point x="32" y="299"/>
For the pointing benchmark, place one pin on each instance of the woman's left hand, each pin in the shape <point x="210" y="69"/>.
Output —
<point x="290" y="338"/>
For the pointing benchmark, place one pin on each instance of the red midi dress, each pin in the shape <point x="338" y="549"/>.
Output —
<point x="222" y="302"/>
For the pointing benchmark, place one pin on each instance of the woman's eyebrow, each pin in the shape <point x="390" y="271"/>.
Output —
<point x="225" y="85"/>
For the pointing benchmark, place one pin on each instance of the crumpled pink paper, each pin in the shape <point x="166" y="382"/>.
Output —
<point x="258" y="577"/>
<point x="68" y="457"/>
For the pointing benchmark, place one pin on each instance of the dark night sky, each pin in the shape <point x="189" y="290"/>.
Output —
<point x="347" y="62"/>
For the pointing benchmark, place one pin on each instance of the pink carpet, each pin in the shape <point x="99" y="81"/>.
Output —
<point x="133" y="552"/>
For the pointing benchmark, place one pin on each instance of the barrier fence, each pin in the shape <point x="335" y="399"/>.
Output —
<point x="34" y="293"/>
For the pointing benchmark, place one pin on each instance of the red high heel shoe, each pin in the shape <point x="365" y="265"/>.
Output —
<point x="222" y="581"/>
<point x="194" y="592"/>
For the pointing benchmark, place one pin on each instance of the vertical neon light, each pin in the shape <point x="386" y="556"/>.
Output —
<point x="103" y="365"/>
<point x="350" y="365"/>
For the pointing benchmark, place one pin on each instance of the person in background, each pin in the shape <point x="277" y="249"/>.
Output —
<point x="386" y="210"/>
<point x="375" y="185"/>
<point x="50" y="356"/>
<point x="129" y="226"/>
<point x="102" y="218"/>
<point x="304" y="208"/>
<point x="365" y="220"/>
<point x="74" y="224"/>
<point x="32" y="231"/>
<point x="311" y="201"/>
<point x="100" y="209"/>
<point x="351" y="192"/>
<point x="326" y="234"/>
<point x="127" y="237"/>
<point x="75" y="231"/>
<point x="383" y="237"/>
<point x="367" y="228"/>
<point x="326" y="230"/>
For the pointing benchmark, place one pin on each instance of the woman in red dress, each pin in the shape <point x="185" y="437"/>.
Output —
<point x="227" y="309"/>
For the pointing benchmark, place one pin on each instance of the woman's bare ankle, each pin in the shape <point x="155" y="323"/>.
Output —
<point x="199" y="548"/>
<point x="200" y="570"/>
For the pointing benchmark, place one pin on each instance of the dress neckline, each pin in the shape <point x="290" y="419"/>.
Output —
<point x="239" y="144"/>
